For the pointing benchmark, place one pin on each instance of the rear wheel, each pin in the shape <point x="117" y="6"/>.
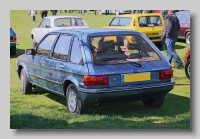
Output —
<point x="187" y="69"/>
<point x="187" y="38"/>
<point x="13" y="50"/>
<point x="73" y="101"/>
<point x="26" y="86"/>
<point x="155" y="102"/>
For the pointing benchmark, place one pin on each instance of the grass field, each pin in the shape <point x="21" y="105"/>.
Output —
<point x="44" y="110"/>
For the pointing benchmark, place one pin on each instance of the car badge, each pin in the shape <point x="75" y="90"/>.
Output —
<point x="135" y="70"/>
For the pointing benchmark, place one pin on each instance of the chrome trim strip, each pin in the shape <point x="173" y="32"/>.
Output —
<point x="36" y="76"/>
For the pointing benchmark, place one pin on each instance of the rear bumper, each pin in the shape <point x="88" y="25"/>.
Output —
<point x="94" y="96"/>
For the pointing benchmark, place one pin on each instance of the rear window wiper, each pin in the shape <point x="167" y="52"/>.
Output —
<point x="135" y="63"/>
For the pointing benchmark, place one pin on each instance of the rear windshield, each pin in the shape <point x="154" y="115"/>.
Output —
<point x="146" y="21"/>
<point x="121" y="49"/>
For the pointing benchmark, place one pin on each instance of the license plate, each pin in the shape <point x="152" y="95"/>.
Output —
<point x="136" y="77"/>
<point x="152" y="34"/>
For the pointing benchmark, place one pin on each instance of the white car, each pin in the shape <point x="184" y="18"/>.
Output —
<point x="51" y="23"/>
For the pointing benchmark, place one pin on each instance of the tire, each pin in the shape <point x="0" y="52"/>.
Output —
<point x="187" y="38"/>
<point x="13" y="50"/>
<point x="26" y="86"/>
<point x="34" y="43"/>
<point x="155" y="102"/>
<point x="187" y="69"/>
<point x="73" y="101"/>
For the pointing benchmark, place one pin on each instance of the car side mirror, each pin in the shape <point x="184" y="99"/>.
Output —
<point x="30" y="51"/>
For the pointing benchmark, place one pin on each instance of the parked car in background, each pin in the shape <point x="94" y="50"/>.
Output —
<point x="86" y="69"/>
<point x="13" y="41"/>
<point x="150" y="24"/>
<point x="184" y="19"/>
<point x="51" y="23"/>
<point x="187" y="63"/>
<point x="116" y="12"/>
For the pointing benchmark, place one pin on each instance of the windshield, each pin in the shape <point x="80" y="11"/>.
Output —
<point x="121" y="49"/>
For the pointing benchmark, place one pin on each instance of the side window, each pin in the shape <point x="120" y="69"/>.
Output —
<point x="184" y="18"/>
<point x="76" y="55"/>
<point x="42" y="23"/>
<point x="47" y="23"/>
<point x="62" y="47"/>
<point x="124" y="21"/>
<point x="73" y="21"/>
<point x="45" y="46"/>
<point x="115" y="22"/>
<point x="178" y="15"/>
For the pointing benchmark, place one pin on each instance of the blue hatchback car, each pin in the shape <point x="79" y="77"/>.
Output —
<point x="94" y="66"/>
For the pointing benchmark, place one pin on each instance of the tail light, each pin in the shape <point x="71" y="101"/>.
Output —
<point x="95" y="80"/>
<point x="14" y="38"/>
<point x="166" y="74"/>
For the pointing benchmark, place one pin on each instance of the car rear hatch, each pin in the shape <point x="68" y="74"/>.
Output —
<point x="130" y="74"/>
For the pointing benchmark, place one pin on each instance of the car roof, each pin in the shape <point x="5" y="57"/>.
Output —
<point x="133" y="15"/>
<point x="96" y="31"/>
<point x="61" y="16"/>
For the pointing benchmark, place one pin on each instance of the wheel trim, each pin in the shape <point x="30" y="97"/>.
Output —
<point x="22" y="82"/>
<point x="72" y="101"/>
<point x="188" y="39"/>
<point x="188" y="70"/>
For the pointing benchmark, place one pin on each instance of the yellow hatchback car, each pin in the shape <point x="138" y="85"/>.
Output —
<point x="150" y="24"/>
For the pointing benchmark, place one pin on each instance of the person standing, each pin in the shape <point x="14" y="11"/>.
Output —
<point x="79" y="12"/>
<point x="54" y="12"/>
<point x="44" y="13"/>
<point x="170" y="35"/>
<point x="33" y="14"/>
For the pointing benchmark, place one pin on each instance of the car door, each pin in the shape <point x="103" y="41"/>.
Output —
<point x="57" y="64"/>
<point x="38" y="68"/>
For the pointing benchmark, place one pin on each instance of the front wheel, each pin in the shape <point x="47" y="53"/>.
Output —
<point x="73" y="101"/>
<point x="155" y="102"/>
<point x="26" y="86"/>
<point x="187" y="69"/>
